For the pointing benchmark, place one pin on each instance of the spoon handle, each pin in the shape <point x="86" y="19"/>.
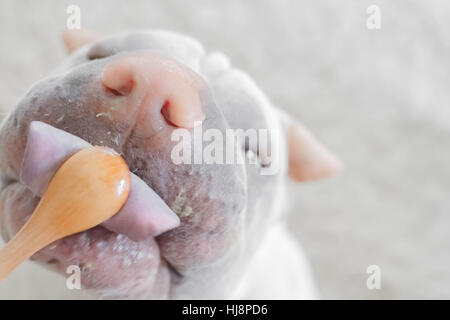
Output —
<point x="23" y="245"/>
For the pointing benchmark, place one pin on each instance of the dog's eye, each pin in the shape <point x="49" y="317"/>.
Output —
<point x="99" y="51"/>
<point x="253" y="155"/>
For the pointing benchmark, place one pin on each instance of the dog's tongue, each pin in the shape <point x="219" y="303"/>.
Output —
<point x="143" y="215"/>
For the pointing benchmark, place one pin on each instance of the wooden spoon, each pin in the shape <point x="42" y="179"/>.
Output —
<point x="89" y="188"/>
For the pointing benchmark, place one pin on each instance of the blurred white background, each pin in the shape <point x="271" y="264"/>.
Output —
<point x="378" y="98"/>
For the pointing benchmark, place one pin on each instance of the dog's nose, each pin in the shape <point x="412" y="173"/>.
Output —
<point x="161" y="90"/>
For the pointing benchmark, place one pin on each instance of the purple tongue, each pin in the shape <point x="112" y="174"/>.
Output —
<point x="143" y="215"/>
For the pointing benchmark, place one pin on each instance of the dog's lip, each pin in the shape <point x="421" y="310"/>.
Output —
<point x="105" y="259"/>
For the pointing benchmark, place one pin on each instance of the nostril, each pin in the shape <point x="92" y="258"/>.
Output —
<point x="120" y="91"/>
<point x="113" y="92"/>
<point x="118" y="79"/>
<point x="166" y="113"/>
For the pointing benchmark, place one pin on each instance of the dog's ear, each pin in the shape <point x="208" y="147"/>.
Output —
<point x="308" y="158"/>
<point x="74" y="39"/>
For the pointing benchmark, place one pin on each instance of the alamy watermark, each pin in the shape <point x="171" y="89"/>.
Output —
<point x="373" y="21"/>
<point x="373" y="281"/>
<point x="214" y="146"/>
<point x="74" y="19"/>
<point x="73" y="281"/>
